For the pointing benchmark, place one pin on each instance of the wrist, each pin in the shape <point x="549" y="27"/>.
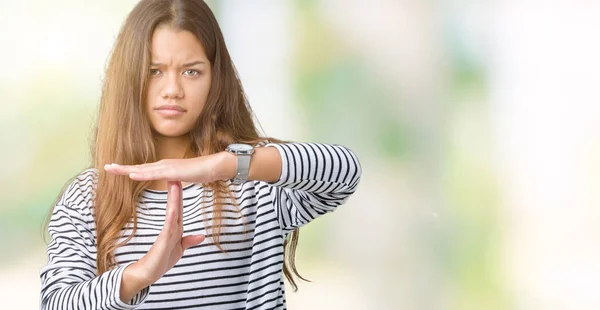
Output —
<point x="226" y="167"/>
<point x="136" y="277"/>
<point x="133" y="281"/>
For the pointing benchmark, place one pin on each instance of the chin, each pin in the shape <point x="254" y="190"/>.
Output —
<point x="171" y="132"/>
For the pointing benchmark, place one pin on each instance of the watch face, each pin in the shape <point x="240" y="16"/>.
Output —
<point x="240" y="147"/>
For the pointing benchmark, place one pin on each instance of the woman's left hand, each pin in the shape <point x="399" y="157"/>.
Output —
<point x="203" y="169"/>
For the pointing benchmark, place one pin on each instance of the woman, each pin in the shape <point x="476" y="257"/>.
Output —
<point x="200" y="209"/>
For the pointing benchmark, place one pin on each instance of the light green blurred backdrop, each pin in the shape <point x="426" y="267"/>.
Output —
<point x="476" y="123"/>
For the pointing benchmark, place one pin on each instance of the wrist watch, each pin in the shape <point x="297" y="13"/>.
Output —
<point x="243" y="153"/>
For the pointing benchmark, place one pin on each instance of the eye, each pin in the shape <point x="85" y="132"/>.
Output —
<point x="191" y="72"/>
<point x="154" y="72"/>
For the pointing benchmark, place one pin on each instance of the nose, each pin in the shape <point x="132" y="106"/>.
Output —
<point x="172" y="87"/>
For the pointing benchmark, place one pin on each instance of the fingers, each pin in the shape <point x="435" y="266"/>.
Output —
<point x="157" y="173"/>
<point x="189" y="241"/>
<point x="127" y="169"/>
<point x="186" y="170"/>
<point x="145" y="172"/>
<point x="170" y="244"/>
<point x="175" y="199"/>
<point x="173" y="216"/>
<point x="180" y="204"/>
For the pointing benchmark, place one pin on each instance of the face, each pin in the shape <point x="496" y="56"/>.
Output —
<point x="179" y="81"/>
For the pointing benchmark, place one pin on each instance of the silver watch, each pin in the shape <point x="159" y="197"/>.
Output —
<point x="243" y="153"/>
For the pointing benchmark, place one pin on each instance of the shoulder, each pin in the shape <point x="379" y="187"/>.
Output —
<point x="80" y="192"/>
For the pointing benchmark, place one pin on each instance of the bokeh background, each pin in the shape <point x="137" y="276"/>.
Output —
<point x="477" y="124"/>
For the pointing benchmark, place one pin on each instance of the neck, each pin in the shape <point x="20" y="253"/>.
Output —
<point x="169" y="148"/>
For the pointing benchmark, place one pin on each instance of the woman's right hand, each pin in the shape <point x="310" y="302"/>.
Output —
<point x="166" y="251"/>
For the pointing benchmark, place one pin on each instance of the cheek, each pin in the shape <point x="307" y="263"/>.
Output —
<point x="152" y="100"/>
<point x="197" y="97"/>
<point x="151" y="95"/>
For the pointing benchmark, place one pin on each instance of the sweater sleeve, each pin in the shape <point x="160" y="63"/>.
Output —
<point x="315" y="179"/>
<point x="69" y="280"/>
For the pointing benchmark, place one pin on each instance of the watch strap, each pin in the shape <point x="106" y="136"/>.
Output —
<point x="243" y="168"/>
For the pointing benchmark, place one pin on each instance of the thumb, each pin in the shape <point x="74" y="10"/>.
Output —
<point x="192" y="240"/>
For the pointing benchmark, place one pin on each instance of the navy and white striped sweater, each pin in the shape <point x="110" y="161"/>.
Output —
<point x="315" y="179"/>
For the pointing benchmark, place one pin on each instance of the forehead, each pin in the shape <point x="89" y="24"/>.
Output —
<point x="174" y="45"/>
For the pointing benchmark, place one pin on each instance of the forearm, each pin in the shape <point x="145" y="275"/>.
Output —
<point x="318" y="168"/>
<point x="61" y="291"/>
<point x="311" y="167"/>
<point x="69" y="279"/>
<point x="314" y="179"/>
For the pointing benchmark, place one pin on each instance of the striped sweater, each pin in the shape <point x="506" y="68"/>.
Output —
<point x="315" y="179"/>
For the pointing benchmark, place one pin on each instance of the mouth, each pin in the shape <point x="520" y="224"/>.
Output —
<point x="170" y="110"/>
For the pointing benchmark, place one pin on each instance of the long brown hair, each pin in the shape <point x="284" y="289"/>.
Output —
<point x="123" y="133"/>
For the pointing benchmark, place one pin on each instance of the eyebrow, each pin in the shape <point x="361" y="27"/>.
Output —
<point x="189" y="64"/>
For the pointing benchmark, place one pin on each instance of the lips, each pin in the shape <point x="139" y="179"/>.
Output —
<point x="171" y="107"/>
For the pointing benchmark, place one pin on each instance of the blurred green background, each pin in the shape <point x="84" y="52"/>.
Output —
<point x="476" y="122"/>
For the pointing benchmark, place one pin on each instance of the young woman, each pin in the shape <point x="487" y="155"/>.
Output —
<point x="199" y="211"/>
